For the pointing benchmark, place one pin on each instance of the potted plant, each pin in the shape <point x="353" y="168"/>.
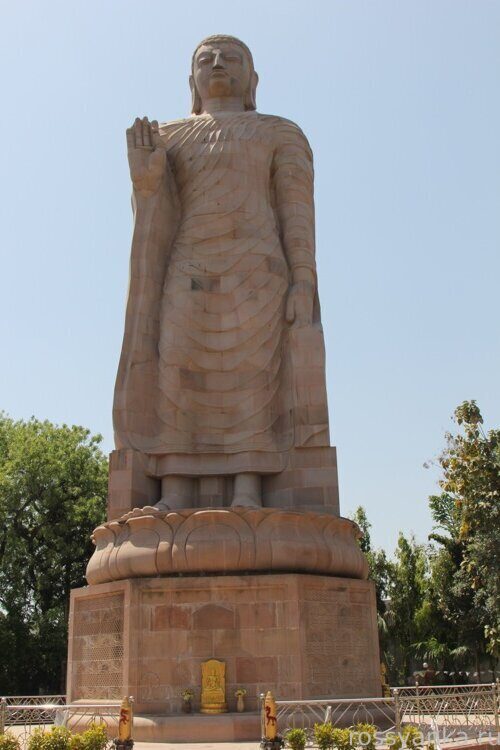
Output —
<point x="187" y="696"/>
<point x="9" y="741"/>
<point x="323" y="736"/>
<point x="240" y="699"/>
<point x="296" y="739"/>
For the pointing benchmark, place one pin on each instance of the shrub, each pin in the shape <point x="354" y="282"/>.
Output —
<point x="94" y="738"/>
<point x="360" y="736"/>
<point x="76" y="742"/>
<point x="328" y="737"/>
<point x="60" y="738"/>
<point x="411" y="737"/>
<point x="9" y="742"/>
<point x="35" y="740"/>
<point x="295" y="738"/>
<point x="342" y="739"/>
<point x="323" y="735"/>
<point x="364" y="736"/>
<point x="57" y="738"/>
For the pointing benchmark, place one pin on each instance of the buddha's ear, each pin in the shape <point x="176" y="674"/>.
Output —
<point x="195" y="97"/>
<point x="251" y="94"/>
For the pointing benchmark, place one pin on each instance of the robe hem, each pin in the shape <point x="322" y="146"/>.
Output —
<point x="219" y="464"/>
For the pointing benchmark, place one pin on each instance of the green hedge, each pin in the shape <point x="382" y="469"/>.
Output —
<point x="60" y="738"/>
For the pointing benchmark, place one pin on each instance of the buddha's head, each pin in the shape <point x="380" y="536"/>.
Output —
<point x="222" y="67"/>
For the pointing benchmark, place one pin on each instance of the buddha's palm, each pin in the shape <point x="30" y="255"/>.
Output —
<point x="147" y="156"/>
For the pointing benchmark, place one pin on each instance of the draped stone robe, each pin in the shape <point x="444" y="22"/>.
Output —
<point x="207" y="366"/>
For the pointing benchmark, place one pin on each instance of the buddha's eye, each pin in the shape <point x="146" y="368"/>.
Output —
<point x="232" y="58"/>
<point x="204" y="60"/>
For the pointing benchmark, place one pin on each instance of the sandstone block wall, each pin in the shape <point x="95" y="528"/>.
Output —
<point x="301" y="636"/>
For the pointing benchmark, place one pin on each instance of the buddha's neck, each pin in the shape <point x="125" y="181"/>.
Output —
<point x="222" y="104"/>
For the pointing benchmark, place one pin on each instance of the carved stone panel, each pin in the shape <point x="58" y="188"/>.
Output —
<point x="98" y="647"/>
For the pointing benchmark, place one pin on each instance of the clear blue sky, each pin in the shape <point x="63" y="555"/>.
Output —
<point x="400" y="101"/>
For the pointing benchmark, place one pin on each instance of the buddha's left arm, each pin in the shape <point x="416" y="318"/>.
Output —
<point x="293" y="179"/>
<point x="293" y="188"/>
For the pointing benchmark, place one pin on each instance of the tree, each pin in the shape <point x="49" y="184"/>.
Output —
<point x="404" y="609"/>
<point x="378" y="564"/>
<point x="442" y="602"/>
<point x="440" y="638"/>
<point x="379" y="571"/>
<point x="359" y="516"/>
<point x="407" y="615"/>
<point x="53" y="486"/>
<point x="468" y="511"/>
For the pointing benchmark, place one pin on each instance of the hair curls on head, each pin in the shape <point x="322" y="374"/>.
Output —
<point x="249" y="100"/>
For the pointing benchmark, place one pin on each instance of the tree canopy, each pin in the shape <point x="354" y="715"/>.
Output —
<point x="440" y="602"/>
<point x="53" y="486"/>
<point x="468" y="511"/>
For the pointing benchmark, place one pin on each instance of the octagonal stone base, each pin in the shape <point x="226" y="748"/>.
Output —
<point x="299" y="635"/>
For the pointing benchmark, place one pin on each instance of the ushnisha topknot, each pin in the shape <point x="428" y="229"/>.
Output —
<point x="224" y="38"/>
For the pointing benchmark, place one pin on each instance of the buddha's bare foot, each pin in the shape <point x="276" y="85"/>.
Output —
<point x="247" y="491"/>
<point x="177" y="493"/>
<point x="161" y="505"/>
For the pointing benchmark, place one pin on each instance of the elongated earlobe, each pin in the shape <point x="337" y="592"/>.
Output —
<point x="195" y="97"/>
<point x="251" y="94"/>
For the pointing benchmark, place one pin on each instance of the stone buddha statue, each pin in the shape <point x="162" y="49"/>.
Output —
<point x="223" y="313"/>
<point x="223" y="538"/>
<point x="220" y="410"/>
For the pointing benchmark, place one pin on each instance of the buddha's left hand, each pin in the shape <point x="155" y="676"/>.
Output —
<point x="300" y="301"/>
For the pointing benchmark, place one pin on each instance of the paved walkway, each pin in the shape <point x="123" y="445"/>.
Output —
<point x="20" y="730"/>
<point x="196" y="745"/>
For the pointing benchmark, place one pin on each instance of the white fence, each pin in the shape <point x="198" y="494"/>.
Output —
<point x="441" y="713"/>
<point x="22" y="718"/>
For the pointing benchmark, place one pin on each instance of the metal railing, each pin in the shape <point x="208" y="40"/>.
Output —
<point x="340" y="712"/>
<point x="33" y="700"/>
<point x="470" y="710"/>
<point x="23" y="719"/>
<point x="417" y="689"/>
<point x="39" y="708"/>
<point x="441" y="713"/>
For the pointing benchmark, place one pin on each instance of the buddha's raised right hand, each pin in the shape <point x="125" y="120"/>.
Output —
<point x="147" y="156"/>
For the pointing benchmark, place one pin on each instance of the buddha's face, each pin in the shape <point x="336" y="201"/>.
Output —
<point x="221" y="70"/>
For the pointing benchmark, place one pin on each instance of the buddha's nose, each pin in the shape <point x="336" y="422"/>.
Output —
<point x="218" y="63"/>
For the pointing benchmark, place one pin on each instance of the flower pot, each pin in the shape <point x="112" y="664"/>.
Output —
<point x="240" y="703"/>
<point x="186" y="707"/>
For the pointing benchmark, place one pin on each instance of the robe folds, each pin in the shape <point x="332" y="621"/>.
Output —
<point x="207" y="366"/>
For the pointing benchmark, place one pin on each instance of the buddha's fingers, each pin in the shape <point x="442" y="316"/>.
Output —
<point x="138" y="132"/>
<point x="146" y="133"/>
<point x="155" y="134"/>
<point x="130" y="139"/>
<point x="290" y="309"/>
